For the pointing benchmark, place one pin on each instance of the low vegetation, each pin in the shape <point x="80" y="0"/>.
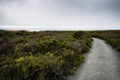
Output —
<point x="47" y="55"/>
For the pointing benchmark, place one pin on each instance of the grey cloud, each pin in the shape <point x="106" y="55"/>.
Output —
<point x="111" y="7"/>
<point x="60" y="12"/>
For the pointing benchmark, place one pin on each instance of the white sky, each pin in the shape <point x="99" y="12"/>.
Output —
<point x="60" y="14"/>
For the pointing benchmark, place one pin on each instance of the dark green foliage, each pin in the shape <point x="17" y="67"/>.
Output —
<point x="78" y="34"/>
<point x="47" y="55"/>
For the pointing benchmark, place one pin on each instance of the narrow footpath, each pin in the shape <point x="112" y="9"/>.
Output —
<point x="101" y="63"/>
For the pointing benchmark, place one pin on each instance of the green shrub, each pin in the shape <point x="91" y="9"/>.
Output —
<point x="46" y="55"/>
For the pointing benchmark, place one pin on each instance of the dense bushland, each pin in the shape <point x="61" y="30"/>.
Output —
<point x="112" y="37"/>
<point x="47" y="55"/>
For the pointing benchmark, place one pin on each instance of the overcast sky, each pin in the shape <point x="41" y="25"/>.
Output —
<point x="60" y="14"/>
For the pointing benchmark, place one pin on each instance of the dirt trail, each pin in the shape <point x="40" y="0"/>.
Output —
<point x="101" y="63"/>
